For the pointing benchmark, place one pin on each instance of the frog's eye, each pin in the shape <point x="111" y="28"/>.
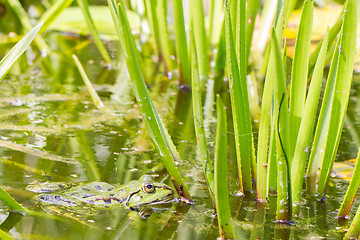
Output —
<point x="148" y="187"/>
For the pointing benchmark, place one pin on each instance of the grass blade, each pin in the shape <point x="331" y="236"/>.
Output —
<point x="84" y="6"/>
<point x="150" y="7"/>
<point x="161" y="10"/>
<point x="240" y="110"/>
<point x="181" y="43"/>
<point x="9" y="60"/>
<point x="50" y="15"/>
<point x="346" y="48"/>
<point x="25" y="21"/>
<point x="94" y="96"/>
<point x="197" y="16"/>
<point x="354" y="230"/>
<point x="265" y="118"/>
<point x="299" y="73"/>
<point x="251" y="12"/>
<point x="216" y="13"/>
<point x="199" y="119"/>
<point x="226" y="228"/>
<point x="306" y="129"/>
<point x="158" y="133"/>
<point x="322" y="128"/>
<point x="220" y="62"/>
<point x="334" y="31"/>
<point x="10" y="202"/>
<point x="351" y="191"/>
<point x="281" y="135"/>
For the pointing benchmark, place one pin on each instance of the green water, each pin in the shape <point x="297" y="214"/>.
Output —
<point x="61" y="136"/>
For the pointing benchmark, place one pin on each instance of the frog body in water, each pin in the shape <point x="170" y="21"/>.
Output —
<point x="135" y="194"/>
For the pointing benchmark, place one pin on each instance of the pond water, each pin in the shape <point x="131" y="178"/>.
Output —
<point x="50" y="130"/>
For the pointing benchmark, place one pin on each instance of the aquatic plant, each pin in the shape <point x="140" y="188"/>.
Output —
<point x="285" y="133"/>
<point x="297" y="129"/>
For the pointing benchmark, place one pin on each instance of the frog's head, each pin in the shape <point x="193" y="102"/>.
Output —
<point x="149" y="192"/>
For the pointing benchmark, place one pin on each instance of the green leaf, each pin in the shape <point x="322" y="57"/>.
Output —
<point x="226" y="228"/>
<point x="26" y="23"/>
<point x="199" y="119"/>
<point x="299" y="73"/>
<point x="198" y="25"/>
<point x="84" y="6"/>
<point x="53" y="12"/>
<point x="281" y="127"/>
<point x="240" y="110"/>
<point x="351" y="191"/>
<point x="10" y="202"/>
<point x="346" y="48"/>
<point x="156" y="128"/>
<point x="165" y="45"/>
<point x="322" y="127"/>
<point x="303" y="144"/>
<point x="94" y="96"/>
<point x="8" y="61"/>
<point x="182" y="54"/>
<point x="265" y="119"/>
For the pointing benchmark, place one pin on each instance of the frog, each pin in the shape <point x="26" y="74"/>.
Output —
<point x="99" y="195"/>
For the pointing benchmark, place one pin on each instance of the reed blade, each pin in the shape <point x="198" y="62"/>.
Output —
<point x="346" y="49"/>
<point x="240" y="109"/>
<point x="306" y="130"/>
<point x="351" y="191"/>
<point x="13" y="55"/>
<point x="156" y="128"/>
<point x="299" y="73"/>
<point x="226" y="228"/>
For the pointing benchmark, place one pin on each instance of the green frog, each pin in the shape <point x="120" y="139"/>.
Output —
<point x="135" y="194"/>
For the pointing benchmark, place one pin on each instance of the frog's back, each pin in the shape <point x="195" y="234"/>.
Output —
<point x="47" y="187"/>
<point x="99" y="194"/>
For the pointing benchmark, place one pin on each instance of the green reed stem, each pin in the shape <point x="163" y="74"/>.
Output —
<point x="346" y="48"/>
<point x="306" y="130"/>
<point x="322" y="128"/>
<point x="265" y="122"/>
<point x="156" y="128"/>
<point x="10" y="202"/>
<point x="84" y="6"/>
<point x="53" y="12"/>
<point x="13" y="55"/>
<point x="166" y="50"/>
<point x="226" y="228"/>
<point x="220" y="62"/>
<point x="181" y="43"/>
<point x="94" y="96"/>
<point x="354" y="230"/>
<point x="197" y="16"/>
<point x="216" y="13"/>
<point x="150" y="6"/>
<point x="240" y="109"/>
<point x="25" y="21"/>
<point x="251" y="12"/>
<point x="299" y="74"/>
<point x="281" y="126"/>
<point x="199" y="119"/>
<point x="334" y="31"/>
<point x="351" y="191"/>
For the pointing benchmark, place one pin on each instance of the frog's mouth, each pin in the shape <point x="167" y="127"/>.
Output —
<point x="164" y="199"/>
